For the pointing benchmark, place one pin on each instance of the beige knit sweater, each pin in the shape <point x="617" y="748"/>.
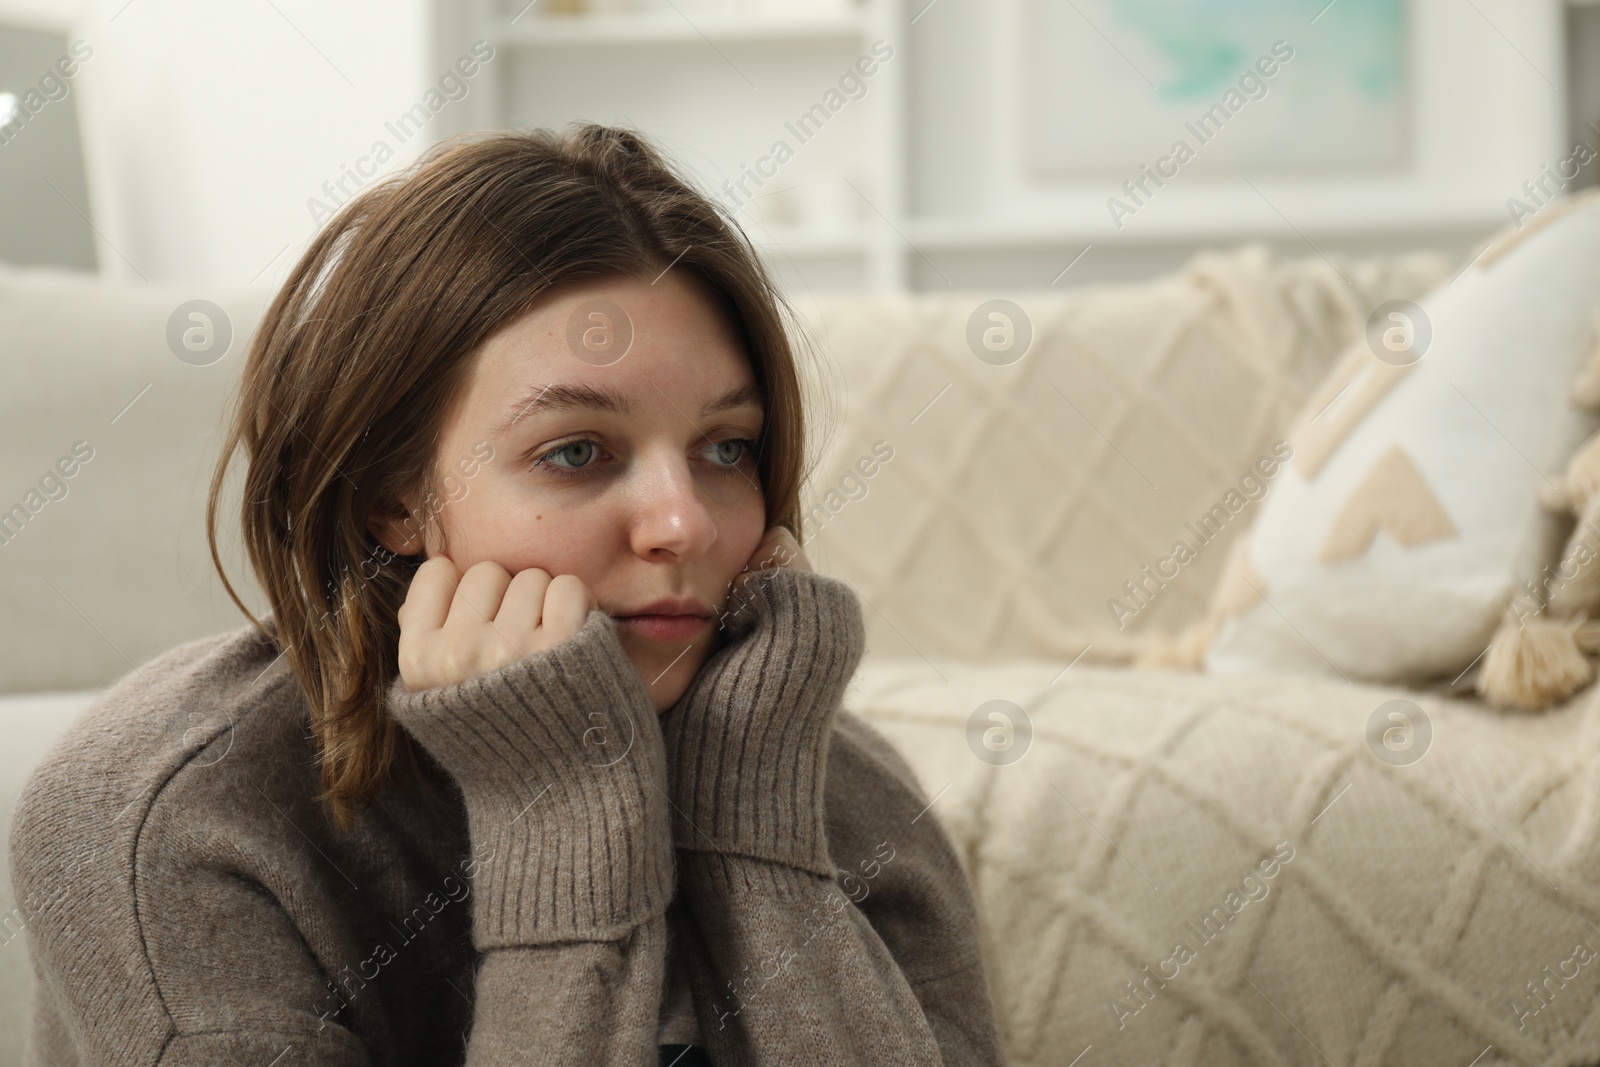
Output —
<point x="188" y="901"/>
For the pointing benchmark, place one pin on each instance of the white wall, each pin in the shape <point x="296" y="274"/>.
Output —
<point x="208" y="126"/>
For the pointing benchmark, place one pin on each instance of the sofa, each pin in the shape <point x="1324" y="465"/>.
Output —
<point x="1170" y="866"/>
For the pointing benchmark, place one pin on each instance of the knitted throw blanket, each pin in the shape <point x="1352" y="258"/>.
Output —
<point x="1186" y="869"/>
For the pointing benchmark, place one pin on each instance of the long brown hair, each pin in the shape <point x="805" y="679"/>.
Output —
<point x="368" y="345"/>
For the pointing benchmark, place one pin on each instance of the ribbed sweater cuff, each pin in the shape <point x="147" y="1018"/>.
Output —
<point x="562" y="771"/>
<point x="747" y="744"/>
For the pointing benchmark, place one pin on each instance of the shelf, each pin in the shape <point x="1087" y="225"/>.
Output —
<point x="978" y="234"/>
<point x="671" y="27"/>
<point x="1091" y="224"/>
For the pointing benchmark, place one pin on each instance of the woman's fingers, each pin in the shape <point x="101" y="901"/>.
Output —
<point x="454" y="626"/>
<point x="778" y="548"/>
<point x="522" y="606"/>
<point x="567" y="602"/>
<point x="428" y="598"/>
<point x="422" y="618"/>
<point x="477" y="598"/>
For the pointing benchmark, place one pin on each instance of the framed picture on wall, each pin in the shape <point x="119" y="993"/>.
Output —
<point x="1215" y="86"/>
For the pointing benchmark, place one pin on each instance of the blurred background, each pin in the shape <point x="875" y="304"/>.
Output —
<point x="883" y="144"/>
<point x="1081" y="268"/>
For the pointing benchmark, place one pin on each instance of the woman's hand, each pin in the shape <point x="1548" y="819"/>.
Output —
<point x="456" y="626"/>
<point x="778" y="548"/>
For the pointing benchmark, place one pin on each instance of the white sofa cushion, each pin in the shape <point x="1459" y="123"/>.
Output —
<point x="110" y="566"/>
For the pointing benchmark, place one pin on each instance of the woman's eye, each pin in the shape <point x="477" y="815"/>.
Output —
<point x="578" y="459"/>
<point x="739" y="447"/>
<point x="584" y="448"/>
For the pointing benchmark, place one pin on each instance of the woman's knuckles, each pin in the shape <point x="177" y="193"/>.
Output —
<point x="439" y="657"/>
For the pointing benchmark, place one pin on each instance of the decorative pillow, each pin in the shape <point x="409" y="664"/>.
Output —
<point x="1181" y="383"/>
<point x="1409" y="512"/>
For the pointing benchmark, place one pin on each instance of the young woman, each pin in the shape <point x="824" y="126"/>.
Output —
<point x="538" y="757"/>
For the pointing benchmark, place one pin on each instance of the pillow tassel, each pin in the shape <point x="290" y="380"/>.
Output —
<point x="1588" y="635"/>
<point x="1574" y="582"/>
<point x="1579" y="484"/>
<point x="1536" y="662"/>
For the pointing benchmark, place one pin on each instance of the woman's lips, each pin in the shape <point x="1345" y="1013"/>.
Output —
<point x="673" y="628"/>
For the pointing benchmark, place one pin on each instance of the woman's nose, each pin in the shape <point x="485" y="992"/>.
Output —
<point x="672" y="510"/>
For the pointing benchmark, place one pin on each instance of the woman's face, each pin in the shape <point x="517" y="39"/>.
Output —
<point x="653" y="494"/>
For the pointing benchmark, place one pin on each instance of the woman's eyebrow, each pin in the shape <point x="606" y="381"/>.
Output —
<point x="561" y="397"/>
<point x="737" y="397"/>
<point x="565" y="396"/>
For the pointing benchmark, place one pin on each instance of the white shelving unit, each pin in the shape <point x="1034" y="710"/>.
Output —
<point x="729" y="53"/>
<point x="920" y="183"/>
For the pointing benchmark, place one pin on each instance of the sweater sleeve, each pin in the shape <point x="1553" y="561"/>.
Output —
<point x="747" y="755"/>
<point x="171" y="918"/>
<point x="560" y="762"/>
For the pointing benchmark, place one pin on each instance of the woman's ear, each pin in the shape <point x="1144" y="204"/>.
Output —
<point x="395" y="529"/>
